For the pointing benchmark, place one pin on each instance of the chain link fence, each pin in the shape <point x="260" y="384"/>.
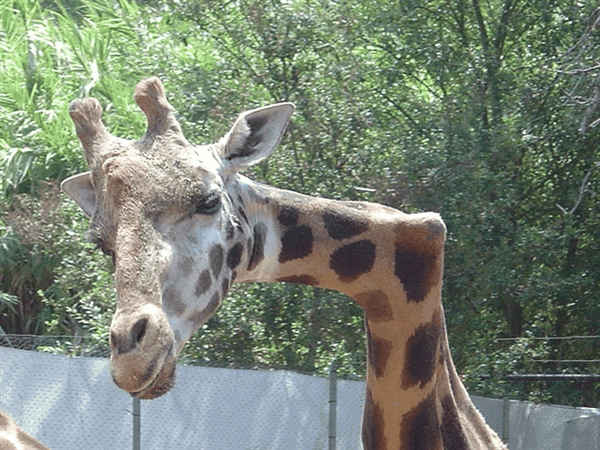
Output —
<point x="69" y="402"/>
<point x="209" y="408"/>
<point x="57" y="345"/>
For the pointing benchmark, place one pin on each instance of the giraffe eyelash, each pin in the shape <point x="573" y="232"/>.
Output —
<point x="209" y="205"/>
<point x="99" y="244"/>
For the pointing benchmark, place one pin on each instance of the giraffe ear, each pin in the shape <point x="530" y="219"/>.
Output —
<point x="255" y="135"/>
<point x="79" y="188"/>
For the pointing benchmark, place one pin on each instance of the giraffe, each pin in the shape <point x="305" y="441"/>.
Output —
<point x="182" y="224"/>
<point x="12" y="437"/>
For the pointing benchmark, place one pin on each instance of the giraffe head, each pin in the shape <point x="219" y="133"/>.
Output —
<point x="172" y="218"/>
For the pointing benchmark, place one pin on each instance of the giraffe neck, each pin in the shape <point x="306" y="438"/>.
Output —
<point x="391" y="264"/>
<point x="350" y="247"/>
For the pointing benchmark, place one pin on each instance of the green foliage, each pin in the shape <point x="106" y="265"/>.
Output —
<point x="61" y="287"/>
<point x="282" y="326"/>
<point x="480" y="111"/>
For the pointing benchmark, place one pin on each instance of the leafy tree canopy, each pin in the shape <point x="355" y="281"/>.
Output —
<point x="486" y="112"/>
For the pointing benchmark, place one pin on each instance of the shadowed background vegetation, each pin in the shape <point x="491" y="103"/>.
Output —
<point x="482" y="111"/>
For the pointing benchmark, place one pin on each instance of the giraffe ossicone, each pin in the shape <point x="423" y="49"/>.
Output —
<point x="183" y="224"/>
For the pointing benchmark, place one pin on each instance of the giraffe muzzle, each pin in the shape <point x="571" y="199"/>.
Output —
<point x="143" y="358"/>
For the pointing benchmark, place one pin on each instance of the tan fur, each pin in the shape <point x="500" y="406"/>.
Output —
<point x="12" y="437"/>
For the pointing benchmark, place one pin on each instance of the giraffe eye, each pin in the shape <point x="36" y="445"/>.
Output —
<point x="100" y="245"/>
<point x="209" y="205"/>
<point x="107" y="251"/>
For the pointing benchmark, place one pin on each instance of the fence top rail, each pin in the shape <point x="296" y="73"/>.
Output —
<point x="583" y="377"/>
<point x="546" y="338"/>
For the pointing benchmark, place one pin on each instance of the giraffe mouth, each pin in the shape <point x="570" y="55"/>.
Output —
<point x="163" y="380"/>
<point x="143" y="357"/>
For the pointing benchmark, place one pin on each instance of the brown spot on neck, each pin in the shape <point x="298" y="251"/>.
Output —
<point x="353" y="260"/>
<point x="378" y="352"/>
<point x="288" y="216"/>
<point x="373" y="425"/>
<point x="420" y="429"/>
<point x="418" y="254"/>
<point x="296" y="243"/>
<point x="343" y="226"/>
<point x="417" y="271"/>
<point x="453" y="435"/>
<point x="422" y="353"/>
<point x="376" y="305"/>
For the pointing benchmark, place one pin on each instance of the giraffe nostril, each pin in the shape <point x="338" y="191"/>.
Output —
<point x="137" y="333"/>
<point x="126" y="342"/>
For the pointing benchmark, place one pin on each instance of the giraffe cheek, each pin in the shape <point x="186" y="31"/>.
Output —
<point x="216" y="257"/>
<point x="203" y="283"/>
<point x="234" y="256"/>
<point x="172" y="302"/>
<point x="198" y="318"/>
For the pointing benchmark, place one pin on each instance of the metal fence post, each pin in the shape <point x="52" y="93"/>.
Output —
<point x="136" y="423"/>
<point x="505" y="420"/>
<point x="332" y="404"/>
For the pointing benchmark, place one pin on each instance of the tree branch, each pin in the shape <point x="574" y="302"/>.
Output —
<point x="396" y="105"/>
<point x="593" y="104"/>
<point x="581" y="190"/>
